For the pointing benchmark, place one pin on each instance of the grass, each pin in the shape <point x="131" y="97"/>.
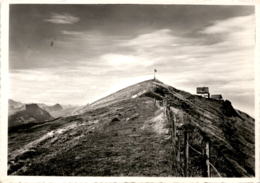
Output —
<point x="117" y="139"/>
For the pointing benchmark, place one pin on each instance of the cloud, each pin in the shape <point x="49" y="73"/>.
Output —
<point x="231" y="25"/>
<point x="120" y="61"/>
<point x="153" y="39"/>
<point x="50" y="86"/>
<point x="65" y="18"/>
<point x="237" y="29"/>
<point x="72" y="33"/>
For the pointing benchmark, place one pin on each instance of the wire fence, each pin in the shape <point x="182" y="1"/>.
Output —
<point x="200" y="153"/>
<point x="169" y="118"/>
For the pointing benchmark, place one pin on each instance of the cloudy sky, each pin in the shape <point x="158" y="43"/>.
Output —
<point x="75" y="54"/>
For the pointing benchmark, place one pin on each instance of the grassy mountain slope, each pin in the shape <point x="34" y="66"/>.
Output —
<point x="129" y="133"/>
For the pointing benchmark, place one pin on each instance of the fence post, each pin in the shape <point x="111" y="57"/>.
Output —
<point x="206" y="154"/>
<point x="186" y="157"/>
<point x="207" y="158"/>
<point x="171" y="120"/>
<point x="173" y="126"/>
<point x="178" y="148"/>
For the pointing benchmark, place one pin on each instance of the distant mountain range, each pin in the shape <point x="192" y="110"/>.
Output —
<point x="20" y="113"/>
<point x="147" y="129"/>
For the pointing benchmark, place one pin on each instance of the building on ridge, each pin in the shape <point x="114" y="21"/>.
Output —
<point x="203" y="91"/>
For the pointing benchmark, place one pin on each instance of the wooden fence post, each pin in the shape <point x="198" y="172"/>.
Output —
<point x="178" y="148"/>
<point x="173" y="127"/>
<point x="206" y="154"/>
<point x="186" y="157"/>
<point x="207" y="159"/>
<point x="174" y="120"/>
<point x="171" y="121"/>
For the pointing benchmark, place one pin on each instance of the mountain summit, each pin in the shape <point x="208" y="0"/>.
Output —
<point x="147" y="129"/>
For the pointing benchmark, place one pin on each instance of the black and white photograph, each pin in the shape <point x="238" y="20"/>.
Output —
<point x="131" y="90"/>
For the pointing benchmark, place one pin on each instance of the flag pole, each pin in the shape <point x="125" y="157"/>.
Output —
<point x="154" y="71"/>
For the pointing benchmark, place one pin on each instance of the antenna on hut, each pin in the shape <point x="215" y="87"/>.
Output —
<point x="154" y="71"/>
